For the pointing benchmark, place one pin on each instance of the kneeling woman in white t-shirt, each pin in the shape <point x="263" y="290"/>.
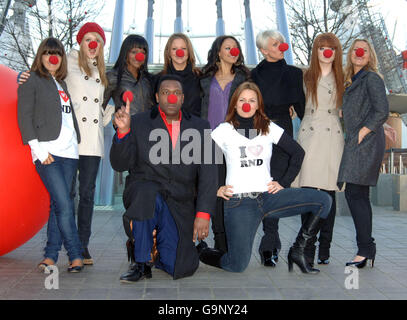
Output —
<point x="246" y="139"/>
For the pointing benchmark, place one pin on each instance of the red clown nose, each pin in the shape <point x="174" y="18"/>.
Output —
<point x="235" y="52"/>
<point x="283" y="47"/>
<point x="140" y="57"/>
<point x="92" y="45"/>
<point x="172" y="99"/>
<point x="180" y="53"/>
<point x="128" y="95"/>
<point x="246" y="107"/>
<point x="328" y="53"/>
<point x="360" y="52"/>
<point x="53" y="60"/>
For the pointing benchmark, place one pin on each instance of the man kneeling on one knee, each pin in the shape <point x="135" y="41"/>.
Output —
<point x="163" y="191"/>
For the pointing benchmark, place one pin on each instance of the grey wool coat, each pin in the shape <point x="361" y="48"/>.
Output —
<point x="364" y="105"/>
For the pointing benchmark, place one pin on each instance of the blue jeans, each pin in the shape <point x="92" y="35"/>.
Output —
<point x="167" y="237"/>
<point x="88" y="170"/>
<point x="243" y="216"/>
<point x="57" y="178"/>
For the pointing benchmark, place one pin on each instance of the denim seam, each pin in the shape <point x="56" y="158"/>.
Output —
<point x="295" y="206"/>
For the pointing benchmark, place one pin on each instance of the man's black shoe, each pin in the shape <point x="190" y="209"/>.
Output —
<point x="138" y="272"/>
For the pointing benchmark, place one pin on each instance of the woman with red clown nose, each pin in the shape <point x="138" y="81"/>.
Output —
<point x="281" y="87"/>
<point x="247" y="138"/>
<point x="321" y="134"/>
<point x="179" y="59"/>
<point x="86" y="80"/>
<point x="223" y="73"/>
<point x="130" y="73"/>
<point x="365" y="110"/>
<point x="48" y="125"/>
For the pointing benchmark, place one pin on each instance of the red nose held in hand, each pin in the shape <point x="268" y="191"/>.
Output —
<point x="283" y="47"/>
<point x="53" y="60"/>
<point x="172" y="99"/>
<point x="328" y="53"/>
<point x="127" y="95"/>
<point x="235" y="52"/>
<point x="92" y="45"/>
<point x="246" y="107"/>
<point x="360" y="52"/>
<point x="140" y="57"/>
<point x="180" y="53"/>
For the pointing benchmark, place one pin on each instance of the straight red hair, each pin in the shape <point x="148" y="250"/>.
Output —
<point x="313" y="73"/>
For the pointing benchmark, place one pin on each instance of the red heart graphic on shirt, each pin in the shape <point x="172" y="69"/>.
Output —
<point x="255" y="150"/>
<point x="63" y="95"/>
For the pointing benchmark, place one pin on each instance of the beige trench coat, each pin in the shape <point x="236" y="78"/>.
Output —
<point x="87" y="98"/>
<point x="321" y="137"/>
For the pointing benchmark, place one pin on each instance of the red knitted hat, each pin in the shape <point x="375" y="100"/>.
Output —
<point x="90" y="27"/>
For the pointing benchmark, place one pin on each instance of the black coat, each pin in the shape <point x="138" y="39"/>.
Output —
<point x="191" y="88"/>
<point x="186" y="188"/>
<point x="364" y="105"/>
<point x="142" y="90"/>
<point x="281" y="86"/>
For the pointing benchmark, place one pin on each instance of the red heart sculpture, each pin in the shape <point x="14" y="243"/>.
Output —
<point x="24" y="201"/>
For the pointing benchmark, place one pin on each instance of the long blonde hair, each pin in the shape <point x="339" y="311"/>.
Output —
<point x="100" y="60"/>
<point x="371" y="65"/>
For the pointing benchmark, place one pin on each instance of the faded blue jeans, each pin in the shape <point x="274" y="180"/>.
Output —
<point x="243" y="216"/>
<point x="57" y="178"/>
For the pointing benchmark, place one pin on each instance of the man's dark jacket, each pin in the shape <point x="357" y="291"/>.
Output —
<point x="186" y="188"/>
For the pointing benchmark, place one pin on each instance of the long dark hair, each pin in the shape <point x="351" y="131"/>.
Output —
<point x="212" y="67"/>
<point x="50" y="45"/>
<point x="132" y="41"/>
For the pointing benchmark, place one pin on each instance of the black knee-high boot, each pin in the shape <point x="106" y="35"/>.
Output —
<point x="296" y="254"/>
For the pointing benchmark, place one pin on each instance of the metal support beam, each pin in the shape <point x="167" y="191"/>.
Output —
<point x="251" y="57"/>
<point x="178" y="25"/>
<point x="149" y="30"/>
<point x="220" y="24"/>
<point x="282" y="26"/>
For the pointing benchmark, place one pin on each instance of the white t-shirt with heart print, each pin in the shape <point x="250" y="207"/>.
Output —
<point x="66" y="145"/>
<point x="247" y="160"/>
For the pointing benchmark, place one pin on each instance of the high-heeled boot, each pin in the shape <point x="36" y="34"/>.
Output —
<point x="208" y="255"/>
<point x="296" y="255"/>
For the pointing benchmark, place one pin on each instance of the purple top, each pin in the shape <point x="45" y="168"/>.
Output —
<point x="218" y="103"/>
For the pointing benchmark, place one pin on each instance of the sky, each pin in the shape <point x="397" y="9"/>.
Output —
<point x="199" y="19"/>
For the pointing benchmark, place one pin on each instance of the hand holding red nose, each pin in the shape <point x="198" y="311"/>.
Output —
<point x="283" y="47"/>
<point x="172" y="99"/>
<point x="246" y="107"/>
<point x="140" y="57"/>
<point x="53" y="60"/>
<point x="127" y="95"/>
<point x="328" y="53"/>
<point x="234" y="52"/>
<point x="180" y="53"/>
<point x="360" y="52"/>
<point x="92" y="45"/>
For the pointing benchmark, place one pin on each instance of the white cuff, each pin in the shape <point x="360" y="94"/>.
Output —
<point x="39" y="151"/>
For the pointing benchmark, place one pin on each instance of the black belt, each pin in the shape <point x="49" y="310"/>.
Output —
<point x="252" y="195"/>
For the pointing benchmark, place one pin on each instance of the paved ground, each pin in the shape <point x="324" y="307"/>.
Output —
<point x="19" y="278"/>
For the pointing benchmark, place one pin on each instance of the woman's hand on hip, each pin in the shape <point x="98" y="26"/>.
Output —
<point x="274" y="187"/>
<point x="362" y="134"/>
<point x="225" y="192"/>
